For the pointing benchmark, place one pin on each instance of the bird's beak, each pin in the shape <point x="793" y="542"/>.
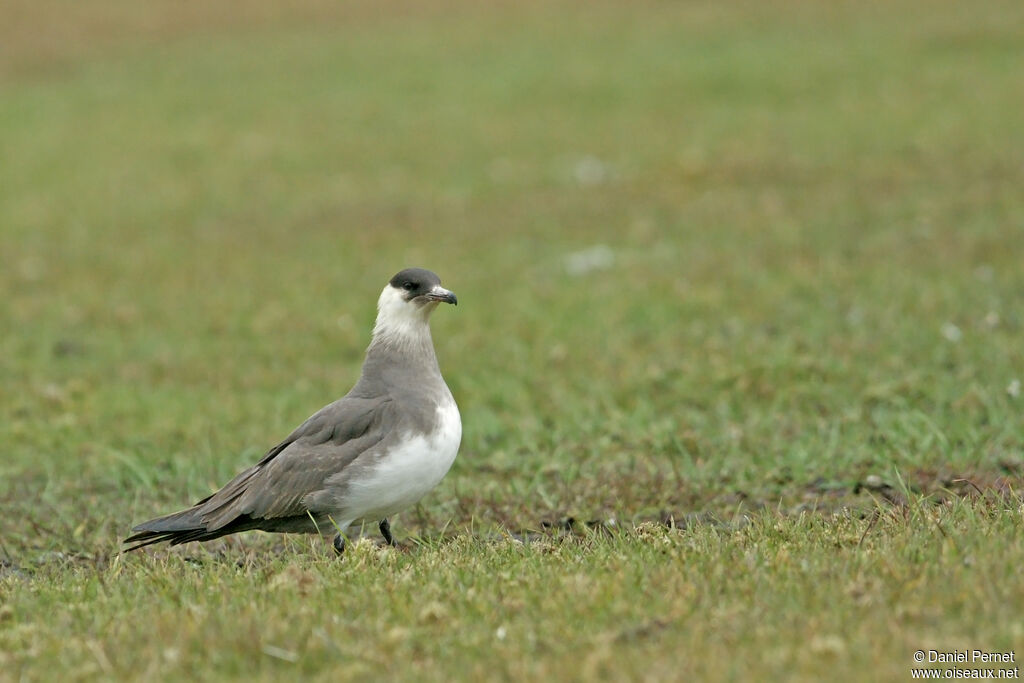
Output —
<point x="439" y="293"/>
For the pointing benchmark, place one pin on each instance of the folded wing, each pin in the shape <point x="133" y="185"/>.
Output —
<point x="270" y="495"/>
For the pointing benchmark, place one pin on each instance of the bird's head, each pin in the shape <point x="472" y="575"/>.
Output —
<point x="408" y="300"/>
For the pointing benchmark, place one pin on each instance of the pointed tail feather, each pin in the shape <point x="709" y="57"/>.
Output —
<point x="187" y="525"/>
<point x="176" y="528"/>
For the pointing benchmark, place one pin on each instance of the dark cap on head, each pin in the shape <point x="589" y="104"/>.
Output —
<point x="421" y="278"/>
<point x="419" y="282"/>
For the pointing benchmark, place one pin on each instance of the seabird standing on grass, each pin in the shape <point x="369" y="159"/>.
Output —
<point x="363" y="458"/>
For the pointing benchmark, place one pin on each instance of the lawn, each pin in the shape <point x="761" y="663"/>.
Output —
<point x="739" y="349"/>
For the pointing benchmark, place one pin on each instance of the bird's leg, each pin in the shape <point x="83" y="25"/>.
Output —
<point x="385" y="531"/>
<point x="339" y="545"/>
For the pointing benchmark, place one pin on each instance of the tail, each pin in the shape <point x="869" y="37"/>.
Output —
<point x="194" y="523"/>
<point x="215" y="516"/>
<point x="179" y="527"/>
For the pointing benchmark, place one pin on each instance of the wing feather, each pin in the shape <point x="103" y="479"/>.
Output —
<point x="323" y="446"/>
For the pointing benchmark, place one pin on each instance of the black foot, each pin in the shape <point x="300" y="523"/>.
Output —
<point x="339" y="545"/>
<point x="385" y="531"/>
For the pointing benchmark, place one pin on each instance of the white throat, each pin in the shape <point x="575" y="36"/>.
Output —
<point x="399" y="322"/>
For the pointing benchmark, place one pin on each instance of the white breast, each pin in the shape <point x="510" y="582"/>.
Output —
<point x="406" y="472"/>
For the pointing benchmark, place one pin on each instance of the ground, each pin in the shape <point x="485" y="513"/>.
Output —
<point x="738" y="344"/>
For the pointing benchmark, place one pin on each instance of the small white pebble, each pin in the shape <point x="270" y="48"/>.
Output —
<point x="598" y="257"/>
<point x="952" y="333"/>
<point x="591" y="171"/>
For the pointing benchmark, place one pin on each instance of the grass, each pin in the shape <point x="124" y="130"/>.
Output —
<point x="789" y="380"/>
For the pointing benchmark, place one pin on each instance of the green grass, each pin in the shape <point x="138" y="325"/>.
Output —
<point x="791" y="387"/>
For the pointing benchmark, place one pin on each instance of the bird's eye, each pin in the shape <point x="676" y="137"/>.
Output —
<point x="409" y="286"/>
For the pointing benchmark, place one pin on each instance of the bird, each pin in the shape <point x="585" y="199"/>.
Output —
<point x="361" y="459"/>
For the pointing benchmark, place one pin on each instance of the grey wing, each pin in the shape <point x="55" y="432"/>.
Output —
<point x="323" y="446"/>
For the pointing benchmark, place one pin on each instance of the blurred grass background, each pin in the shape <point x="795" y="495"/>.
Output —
<point x="705" y="252"/>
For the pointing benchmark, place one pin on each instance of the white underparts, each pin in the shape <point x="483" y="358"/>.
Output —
<point x="406" y="472"/>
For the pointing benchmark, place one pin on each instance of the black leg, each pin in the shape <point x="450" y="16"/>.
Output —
<point x="339" y="545"/>
<point x="385" y="531"/>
